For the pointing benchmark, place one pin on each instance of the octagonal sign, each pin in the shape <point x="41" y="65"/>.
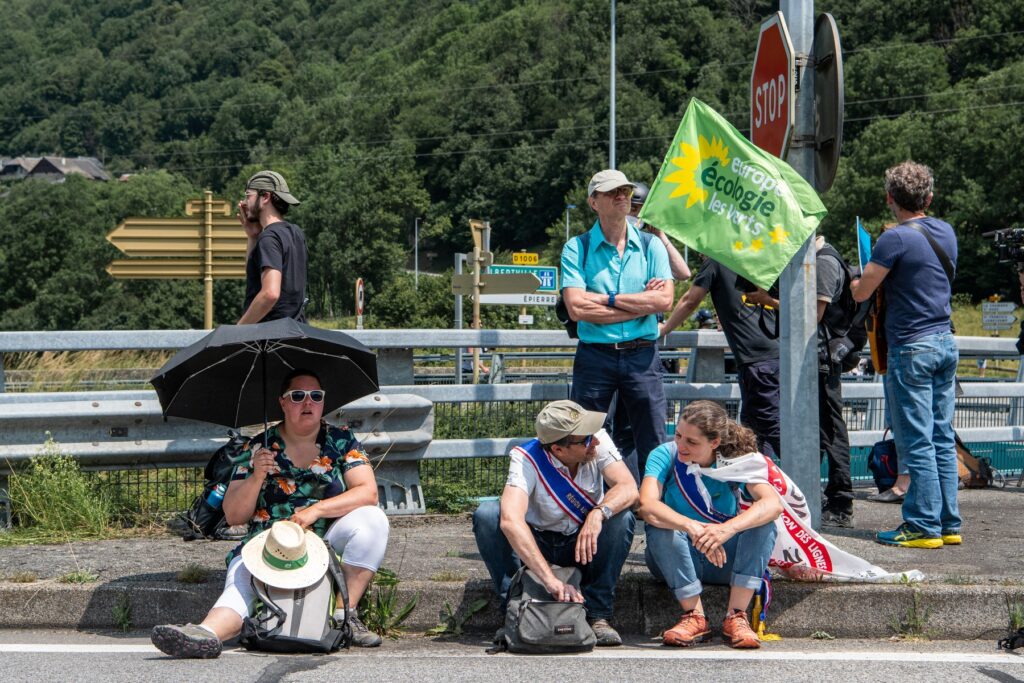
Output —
<point x="772" y="88"/>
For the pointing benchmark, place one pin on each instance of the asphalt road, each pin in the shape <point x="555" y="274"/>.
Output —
<point x="40" y="656"/>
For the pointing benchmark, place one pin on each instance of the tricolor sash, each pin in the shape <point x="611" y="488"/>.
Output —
<point x="696" y="494"/>
<point x="573" y="500"/>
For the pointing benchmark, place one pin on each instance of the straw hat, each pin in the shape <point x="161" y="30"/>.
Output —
<point x="286" y="556"/>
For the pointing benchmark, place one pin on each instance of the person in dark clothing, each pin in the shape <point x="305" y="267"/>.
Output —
<point x="834" y="439"/>
<point x="275" y="268"/>
<point x="757" y="356"/>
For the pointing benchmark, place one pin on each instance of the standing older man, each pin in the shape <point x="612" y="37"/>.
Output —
<point x="915" y="262"/>
<point x="615" y="280"/>
<point x="555" y="510"/>
<point x="275" y="269"/>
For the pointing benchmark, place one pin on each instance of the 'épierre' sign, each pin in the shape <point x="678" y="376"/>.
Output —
<point x="772" y="90"/>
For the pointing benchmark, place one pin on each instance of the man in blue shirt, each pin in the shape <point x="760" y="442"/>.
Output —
<point x="615" y="282"/>
<point x="910" y="262"/>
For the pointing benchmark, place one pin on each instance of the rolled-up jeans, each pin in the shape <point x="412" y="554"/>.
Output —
<point x="672" y="558"/>
<point x="600" y="575"/>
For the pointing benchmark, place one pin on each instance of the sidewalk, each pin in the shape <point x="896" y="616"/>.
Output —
<point x="965" y="593"/>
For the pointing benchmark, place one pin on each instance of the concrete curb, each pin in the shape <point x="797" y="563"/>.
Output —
<point x="642" y="606"/>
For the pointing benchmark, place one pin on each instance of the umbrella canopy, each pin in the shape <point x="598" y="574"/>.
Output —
<point x="232" y="375"/>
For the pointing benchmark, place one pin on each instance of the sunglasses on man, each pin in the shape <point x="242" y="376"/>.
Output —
<point x="585" y="441"/>
<point x="299" y="395"/>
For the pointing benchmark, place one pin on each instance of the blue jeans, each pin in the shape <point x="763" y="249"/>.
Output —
<point x="599" y="576"/>
<point x="598" y="372"/>
<point x="672" y="558"/>
<point x="920" y="394"/>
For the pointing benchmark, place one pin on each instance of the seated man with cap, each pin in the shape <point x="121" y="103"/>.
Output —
<point x="555" y="509"/>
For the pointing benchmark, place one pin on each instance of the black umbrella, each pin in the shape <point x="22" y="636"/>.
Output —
<point x="231" y="376"/>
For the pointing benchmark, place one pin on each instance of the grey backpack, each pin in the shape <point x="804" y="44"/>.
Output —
<point x="299" y="620"/>
<point x="535" y="624"/>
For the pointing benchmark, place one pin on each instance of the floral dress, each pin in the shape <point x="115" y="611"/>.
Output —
<point x="293" y="487"/>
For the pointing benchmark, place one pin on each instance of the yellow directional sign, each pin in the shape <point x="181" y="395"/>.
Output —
<point x="174" y="268"/>
<point x="523" y="258"/>
<point x="513" y="283"/>
<point x="209" y="245"/>
<point x="177" y="237"/>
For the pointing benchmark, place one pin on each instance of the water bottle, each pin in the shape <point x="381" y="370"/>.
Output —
<point x="216" y="496"/>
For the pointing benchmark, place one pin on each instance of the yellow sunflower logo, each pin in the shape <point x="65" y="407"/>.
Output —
<point x="687" y="177"/>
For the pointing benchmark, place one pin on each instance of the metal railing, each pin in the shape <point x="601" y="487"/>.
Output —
<point x="124" y="429"/>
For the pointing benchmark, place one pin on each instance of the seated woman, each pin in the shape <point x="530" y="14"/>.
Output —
<point x="695" y="534"/>
<point x="313" y="474"/>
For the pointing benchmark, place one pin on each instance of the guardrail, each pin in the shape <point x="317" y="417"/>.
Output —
<point x="126" y="430"/>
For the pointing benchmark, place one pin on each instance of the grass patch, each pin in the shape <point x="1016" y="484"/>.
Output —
<point x="78" y="576"/>
<point x="957" y="579"/>
<point x="193" y="573"/>
<point x="822" y="635"/>
<point x="448" y="576"/>
<point x="52" y="496"/>
<point x="123" y="613"/>
<point x="452" y="553"/>
<point x="453" y="620"/>
<point x="380" y="612"/>
<point x="23" y="577"/>
<point x="1015" y="612"/>
<point x="913" y="623"/>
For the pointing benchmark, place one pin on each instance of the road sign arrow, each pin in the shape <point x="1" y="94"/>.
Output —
<point x="177" y="237"/>
<point x="998" y="307"/>
<point x="176" y="268"/>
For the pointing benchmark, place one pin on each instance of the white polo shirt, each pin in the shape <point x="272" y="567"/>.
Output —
<point x="542" y="512"/>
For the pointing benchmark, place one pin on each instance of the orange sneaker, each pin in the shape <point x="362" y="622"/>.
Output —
<point x="736" y="631"/>
<point x="692" y="628"/>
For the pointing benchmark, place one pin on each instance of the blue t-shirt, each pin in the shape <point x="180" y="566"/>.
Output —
<point x="917" y="291"/>
<point x="660" y="464"/>
<point x="607" y="272"/>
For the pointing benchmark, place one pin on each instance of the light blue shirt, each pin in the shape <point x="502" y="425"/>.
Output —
<point x="660" y="464"/>
<point x="607" y="272"/>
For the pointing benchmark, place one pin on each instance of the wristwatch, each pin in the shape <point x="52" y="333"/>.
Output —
<point x="611" y="299"/>
<point x="606" y="512"/>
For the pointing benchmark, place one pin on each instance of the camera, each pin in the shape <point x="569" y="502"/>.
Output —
<point x="1009" y="244"/>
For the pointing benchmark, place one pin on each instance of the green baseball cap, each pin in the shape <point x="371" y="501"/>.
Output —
<point x="271" y="181"/>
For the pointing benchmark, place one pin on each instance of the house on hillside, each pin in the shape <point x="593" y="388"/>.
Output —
<point x="52" y="168"/>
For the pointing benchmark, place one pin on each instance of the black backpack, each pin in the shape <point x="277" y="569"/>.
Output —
<point x="205" y="517"/>
<point x="561" y="310"/>
<point x="535" y="624"/>
<point x="844" y="332"/>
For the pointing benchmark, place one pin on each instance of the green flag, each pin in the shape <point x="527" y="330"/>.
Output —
<point x="734" y="202"/>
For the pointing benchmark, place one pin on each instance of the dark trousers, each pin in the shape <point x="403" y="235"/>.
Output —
<point x="598" y="372"/>
<point x="600" y="576"/>
<point x="759" y="391"/>
<point x="835" y="442"/>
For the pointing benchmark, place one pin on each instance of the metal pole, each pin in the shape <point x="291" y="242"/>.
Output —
<point x="611" y="99"/>
<point x="416" y="253"/>
<point x="208" y="259"/>
<point x="798" y="362"/>
<point x="460" y="260"/>
<point x="568" y="207"/>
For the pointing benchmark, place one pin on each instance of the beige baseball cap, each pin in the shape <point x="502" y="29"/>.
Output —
<point x="607" y="180"/>
<point x="559" y="419"/>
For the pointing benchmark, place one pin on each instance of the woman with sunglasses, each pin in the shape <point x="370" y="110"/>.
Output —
<point x="697" y="532"/>
<point x="313" y="474"/>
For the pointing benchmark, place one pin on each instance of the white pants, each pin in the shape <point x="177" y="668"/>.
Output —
<point x="360" y="538"/>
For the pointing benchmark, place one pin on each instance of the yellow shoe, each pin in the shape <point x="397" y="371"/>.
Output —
<point x="908" y="537"/>
<point x="951" y="537"/>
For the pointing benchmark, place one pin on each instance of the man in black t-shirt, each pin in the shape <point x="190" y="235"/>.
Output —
<point x="275" y="270"/>
<point x="757" y="355"/>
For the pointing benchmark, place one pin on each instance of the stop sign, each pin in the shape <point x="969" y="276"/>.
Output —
<point x="772" y="90"/>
